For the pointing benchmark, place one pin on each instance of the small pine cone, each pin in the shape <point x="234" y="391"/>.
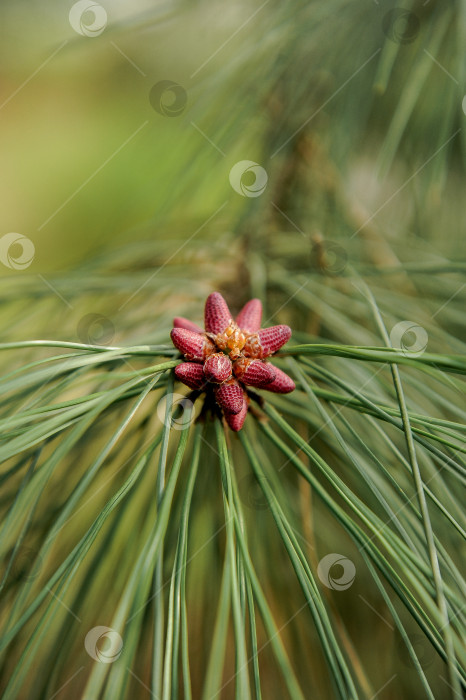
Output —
<point x="250" y="316"/>
<point x="181" y="322"/>
<point x="236" y="420"/>
<point x="192" y="345"/>
<point x="229" y="396"/>
<point x="266" y="341"/>
<point x="254" y="372"/>
<point x="190" y="374"/>
<point x="217" y="315"/>
<point x="217" y="368"/>
<point x="282" y="384"/>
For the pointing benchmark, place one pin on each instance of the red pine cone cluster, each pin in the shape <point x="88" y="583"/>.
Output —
<point x="230" y="355"/>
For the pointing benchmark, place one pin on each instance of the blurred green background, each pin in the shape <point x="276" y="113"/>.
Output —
<point x="88" y="163"/>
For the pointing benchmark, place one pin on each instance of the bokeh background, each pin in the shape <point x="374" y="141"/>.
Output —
<point x="76" y="110"/>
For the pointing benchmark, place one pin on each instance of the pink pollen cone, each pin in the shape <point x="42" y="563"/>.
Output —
<point x="250" y="316"/>
<point x="267" y="341"/>
<point x="193" y="345"/>
<point x="230" y="396"/>
<point x="282" y="384"/>
<point x="236" y="420"/>
<point x="181" y="322"/>
<point x="217" y="368"/>
<point x="217" y="315"/>
<point x="190" y="374"/>
<point x="254" y="372"/>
